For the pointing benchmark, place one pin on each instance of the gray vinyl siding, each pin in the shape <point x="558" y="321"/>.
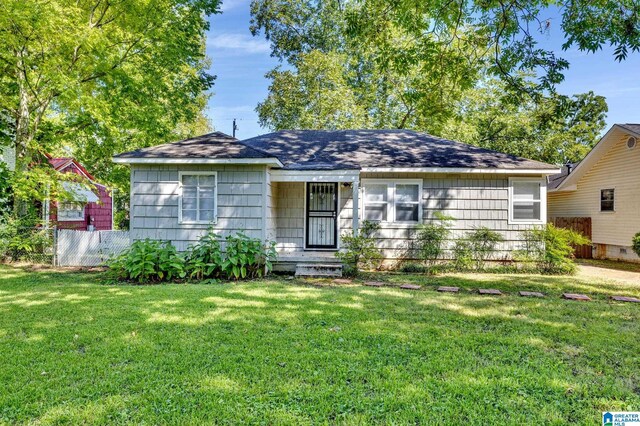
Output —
<point x="154" y="202"/>
<point x="289" y="216"/>
<point x="472" y="200"/>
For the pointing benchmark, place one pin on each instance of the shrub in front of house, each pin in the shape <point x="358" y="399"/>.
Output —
<point x="148" y="261"/>
<point x="549" y="250"/>
<point x="151" y="261"/>
<point x="359" y="251"/>
<point x="635" y="244"/>
<point x="247" y="257"/>
<point x="431" y="240"/>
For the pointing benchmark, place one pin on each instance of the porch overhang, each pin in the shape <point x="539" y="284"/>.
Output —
<point x="346" y="175"/>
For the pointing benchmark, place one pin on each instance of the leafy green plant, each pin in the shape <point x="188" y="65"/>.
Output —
<point x="635" y="244"/>
<point x="360" y="251"/>
<point x="431" y="239"/>
<point x="550" y="249"/>
<point x="247" y="257"/>
<point x="24" y="239"/>
<point x="483" y="242"/>
<point x="205" y="260"/>
<point x="413" y="268"/>
<point x="148" y="261"/>
<point x="462" y="255"/>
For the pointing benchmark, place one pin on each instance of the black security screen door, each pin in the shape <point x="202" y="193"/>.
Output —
<point x="322" y="215"/>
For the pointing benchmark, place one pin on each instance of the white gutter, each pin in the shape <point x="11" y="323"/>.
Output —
<point x="239" y="161"/>
<point x="459" y="170"/>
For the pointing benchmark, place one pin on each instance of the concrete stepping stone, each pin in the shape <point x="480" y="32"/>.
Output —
<point x="373" y="283"/>
<point x="531" y="294"/>
<point x="625" y="299"/>
<point x="490" y="291"/>
<point x="410" y="287"/>
<point x="445" y="289"/>
<point x="342" y="281"/>
<point x="576" y="296"/>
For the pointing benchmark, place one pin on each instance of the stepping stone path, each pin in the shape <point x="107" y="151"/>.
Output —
<point x="410" y="287"/>
<point x="530" y="294"/>
<point x="342" y="281"/>
<point x="490" y="291"/>
<point x="374" y="284"/>
<point x="625" y="299"/>
<point x="445" y="289"/>
<point x="575" y="296"/>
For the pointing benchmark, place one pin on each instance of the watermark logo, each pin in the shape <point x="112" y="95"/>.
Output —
<point x="621" y="418"/>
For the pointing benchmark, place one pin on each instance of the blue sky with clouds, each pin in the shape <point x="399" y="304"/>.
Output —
<point x="240" y="62"/>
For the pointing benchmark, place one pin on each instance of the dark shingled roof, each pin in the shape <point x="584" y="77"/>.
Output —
<point x="556" y="180"/>
<point x="635" y="128"/>
<point x="354" y="149"/>
<point x="212" y="145"/>
<point x="341" y="149"/>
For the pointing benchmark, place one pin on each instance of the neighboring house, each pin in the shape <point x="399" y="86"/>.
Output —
<point x="604" y="186"/>
<point x="303" y="189"/>
<point x="88" y="210"/>
<point x="8" y="156"/>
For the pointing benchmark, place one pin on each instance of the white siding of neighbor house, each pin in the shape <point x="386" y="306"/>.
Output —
<point x="155" y="197"/>
<point x="619" y="168"/>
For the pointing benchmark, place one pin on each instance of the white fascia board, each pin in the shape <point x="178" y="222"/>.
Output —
<point x="459" y="170"/>
<point x="239" y="161"/>
<point x="350" y="175"/>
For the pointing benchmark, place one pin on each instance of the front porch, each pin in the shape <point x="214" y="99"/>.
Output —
<point x="307" y="212"/>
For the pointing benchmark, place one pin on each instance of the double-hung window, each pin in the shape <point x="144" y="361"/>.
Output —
<point x="527" y="200"/>
<point x="607" y="200"/>
<point x="70" y="211"/>
<point x="198" y="197"/>
<point x="392" y="201"/>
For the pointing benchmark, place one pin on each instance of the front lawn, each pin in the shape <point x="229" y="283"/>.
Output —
<point x="279" y="351"/>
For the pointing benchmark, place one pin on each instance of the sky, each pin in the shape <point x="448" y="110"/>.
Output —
<point x="240" y="62"/>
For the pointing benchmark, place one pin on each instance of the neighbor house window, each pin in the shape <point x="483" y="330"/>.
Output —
<point x="68" y="211"/>
<point x="392" y="201"/>
<point x="198" y="197"/>
<point x="527" y="200"/>
<point x="607" y="198"/>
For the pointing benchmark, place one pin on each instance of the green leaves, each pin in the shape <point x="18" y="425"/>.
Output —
<point x="99" y="77"/>
<point x="360" y="251"/>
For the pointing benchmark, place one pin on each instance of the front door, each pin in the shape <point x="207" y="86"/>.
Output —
<point x="322" y="215"/>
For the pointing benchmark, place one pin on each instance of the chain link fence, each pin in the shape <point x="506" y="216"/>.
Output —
<point x="35" y="245"/>
<point x="60" y="247"/>
<point x="88" y="248"/>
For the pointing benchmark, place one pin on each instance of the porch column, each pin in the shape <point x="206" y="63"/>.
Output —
<point x="356" y="205"/>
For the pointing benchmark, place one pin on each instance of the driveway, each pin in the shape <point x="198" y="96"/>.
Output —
<point x="588" y="271"/>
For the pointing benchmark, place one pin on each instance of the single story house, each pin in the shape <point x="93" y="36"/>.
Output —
<point x="604" y="186"/>
<point x="88" y="210"/>
<point x="304" y="188"/>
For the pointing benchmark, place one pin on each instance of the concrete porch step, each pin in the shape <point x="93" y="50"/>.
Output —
<point x="318" y="270"/>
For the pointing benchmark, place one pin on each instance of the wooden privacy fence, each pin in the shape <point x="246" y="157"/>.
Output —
<point x="578" y="224"/>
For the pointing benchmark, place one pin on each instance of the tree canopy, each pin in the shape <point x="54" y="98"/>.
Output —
<point x="428" y="65"/>
<point x="96" y="77"/>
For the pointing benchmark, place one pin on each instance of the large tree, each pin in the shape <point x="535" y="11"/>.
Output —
<point x="418" y="64"/>
<point x="94" y="77"/>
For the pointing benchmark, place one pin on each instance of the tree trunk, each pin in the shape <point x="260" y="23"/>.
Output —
<point x="24" y="134"/>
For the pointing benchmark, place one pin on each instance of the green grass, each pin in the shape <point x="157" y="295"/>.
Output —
<point x="281" y="351"/>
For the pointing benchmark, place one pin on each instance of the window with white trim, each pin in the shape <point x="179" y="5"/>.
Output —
<point x="70" y="211"/>
<point x="526" y="200"/>
<point x="392" y="201"/>
<point x="607" y="200"/>
<point x="198" y="200"/>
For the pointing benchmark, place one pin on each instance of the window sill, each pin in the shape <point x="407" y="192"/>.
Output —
<point x="198" y="223"/>
<point x="526" y="222"/>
